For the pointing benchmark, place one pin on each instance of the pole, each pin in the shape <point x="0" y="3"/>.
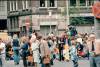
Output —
<point x="67" y="11"/>
<point x="50" y="14"/>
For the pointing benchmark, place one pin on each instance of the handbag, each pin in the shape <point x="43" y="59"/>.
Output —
<point x="46" y="59"/>
<point x="30" y="59"/>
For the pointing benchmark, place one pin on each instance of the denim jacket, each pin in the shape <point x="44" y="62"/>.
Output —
<point x="73" y="53"/>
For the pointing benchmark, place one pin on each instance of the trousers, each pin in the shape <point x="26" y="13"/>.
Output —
<point x="95" y="61"/>
<point x="2" y="60"/>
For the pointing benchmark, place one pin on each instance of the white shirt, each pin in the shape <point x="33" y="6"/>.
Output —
<point x="79" y="40"/>
<point x="2" y="46"/>
<point x="35" y="46"/>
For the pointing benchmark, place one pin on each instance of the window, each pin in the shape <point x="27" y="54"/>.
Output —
<point x="42" y="3"/>
<point x="2" y="6"/>
<point x="82" y="2"/>
<point x="24" y="4"/>
<point x="11" y="5"/>
<point x="1" y="3"/>
<point x="51" y="3"/>
<point x="11" y="23"/>
<point x="14" y="5"/>
<point x="3" y="24"/>
<point x="20" y="5"/>
<point x="30" y="3"/>
<point x="90" y="2"/>
<point x="72" y="2"/>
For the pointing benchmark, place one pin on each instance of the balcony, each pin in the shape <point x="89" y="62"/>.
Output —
<point x="20" y="12"/>
<point x="13" y="13"/>
<point x="25" y="12"/>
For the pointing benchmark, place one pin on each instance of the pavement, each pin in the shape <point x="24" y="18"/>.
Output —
<point x="82" y="63"/>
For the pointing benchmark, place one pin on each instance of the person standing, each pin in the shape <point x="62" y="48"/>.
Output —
<point x="45" y="52"/>
<point x="91" y="44"/>
<point x="94" y="51"/>
<point x="52" y="45"/>
<point x="73" y="53"/>
<point x="24" y="50"/>
<point x="35" y="50"/>
<point x="61" y="44"/>
<point x="16" y="47"/>
<point x="66" y="50"/>
<point x="2" y="54"/>
<point x="97" y="53"/>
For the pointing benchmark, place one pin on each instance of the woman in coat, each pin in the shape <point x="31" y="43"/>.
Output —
<point x="45" y="52"/>
<point x="35" y="50"/>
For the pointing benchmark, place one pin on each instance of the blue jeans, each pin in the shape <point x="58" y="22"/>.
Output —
<point x="75" y="63"/>
<point x="95" y="61"/>
<point x="16" y="57"/>
<point x="2" y="60"/>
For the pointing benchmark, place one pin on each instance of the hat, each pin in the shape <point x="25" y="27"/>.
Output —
<point x="92" y="35"/>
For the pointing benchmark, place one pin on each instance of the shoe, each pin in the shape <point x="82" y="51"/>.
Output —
<point x="16" y="63"/>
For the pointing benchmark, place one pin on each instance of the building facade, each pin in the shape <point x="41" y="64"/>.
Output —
<point x="41" y="15"/>
<point x="3" y="15"/>
<point x="47" y="15"/>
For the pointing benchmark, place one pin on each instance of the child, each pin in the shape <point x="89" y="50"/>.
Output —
<point x="56" y="53"/>
<point x="66" y="53"/>
<point x="73" y="53"/>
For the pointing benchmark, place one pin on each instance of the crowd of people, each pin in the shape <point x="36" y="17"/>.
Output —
<point x="36" y="49"/>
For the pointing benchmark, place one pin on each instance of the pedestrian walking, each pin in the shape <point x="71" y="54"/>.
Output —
<point x="97" y="53"/>
<point x="16" y="47"/>
<point x="66" y="49"/>
<point x="94" y="52"/>
<point x="45" y="52"/>
<point x="61" y="44"/>
<point x="35" y="50"/>
<point x="91" y="43"/>
<point x="52" y="45"/>
<point x="73" y="53"/>
<point x="2" y="54"/>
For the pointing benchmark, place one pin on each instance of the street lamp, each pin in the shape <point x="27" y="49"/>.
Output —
<point x="50" y="14"/>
